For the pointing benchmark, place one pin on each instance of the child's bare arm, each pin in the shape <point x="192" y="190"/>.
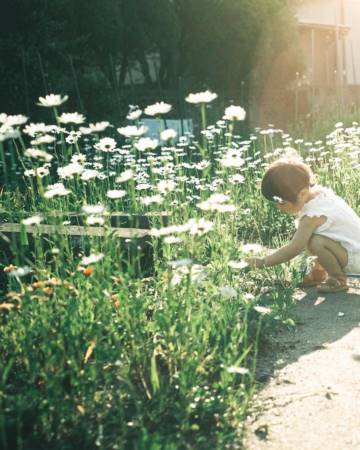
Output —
<point x="307" y="226"/>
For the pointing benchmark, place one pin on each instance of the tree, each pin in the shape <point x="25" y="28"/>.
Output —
<point x="219" y="44"/>
<point x="225" y="41"/>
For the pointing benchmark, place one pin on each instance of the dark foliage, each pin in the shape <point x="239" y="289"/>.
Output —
<point x="86" y="48"/>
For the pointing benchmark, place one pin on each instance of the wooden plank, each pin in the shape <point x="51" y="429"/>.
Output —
<point x="113" y="214"/>
<point x="73" y="230"/>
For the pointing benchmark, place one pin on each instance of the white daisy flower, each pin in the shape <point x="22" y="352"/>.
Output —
<point x="3" y="117"/>
<point x="172" y="239"/>
<point x="8" y="133"/>
<point x="236" y="179"/>
<point x="45" y="139"/>
<point x="52" y="100"/>
<point x="239" y="370"/>
<point x="89" y="174"/>
<point x="234" y="113"/>
<point x="180" y="263"/>
<point x="252" y="248"/>
<point x="132" y="131"/>
<point x="75" y="118"/>
<point x="134" y="114"/>
<point x="106" y="145"/>
<point x="35" y="128"/>
<point x="157" y="109"/>
<point x="55" y="190"/>
<point x="20" y="272"/>
<point x="146" y="144"/>
<point x="171" y="229"/>
<point x="78" y="158"/>
<point x="200" y="226"/>
<point x="201" y="97"/>
<point x="38" y="154"/>
<point x="16" y="120"/>
<point x="33" y="220"/>
<point x="95" y="127"/>
<point x="42" y="171"/>
<point x="227" y="292"/>
<point x="95" y="220"/>
<point x="262" y="309"/>
<point x="149" y="200"/>
<point x="196" y="272"/>
<point x="93" y="209"/>
<point x="237" y="265"/>
<point x="165" y="186"/>
<point x="73" y="137"/>
<point x="223" y="208"/>
<point x="234" y="162"/>
<point x="70" y="170"/>
<point x="202" y="165"/>
<point x="168" y="134"/>
<point x="116" y="193"/>
<point x="218" y="198"/>
<point x="125" y="176"/>
<point x="91" y="259"/>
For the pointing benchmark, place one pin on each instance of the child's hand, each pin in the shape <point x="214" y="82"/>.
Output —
<point x="255" y="262"/>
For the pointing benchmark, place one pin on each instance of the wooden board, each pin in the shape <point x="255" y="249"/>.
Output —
<point x="113" y="214"/>
<point x="73" y="230"/>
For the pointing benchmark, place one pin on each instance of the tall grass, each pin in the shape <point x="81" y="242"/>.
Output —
<point x="115" y="354"/>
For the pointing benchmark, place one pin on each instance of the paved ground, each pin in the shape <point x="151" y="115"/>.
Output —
<point x="309" y="379"/>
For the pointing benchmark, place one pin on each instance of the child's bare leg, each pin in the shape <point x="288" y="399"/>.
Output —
<point x="331" y="255"/>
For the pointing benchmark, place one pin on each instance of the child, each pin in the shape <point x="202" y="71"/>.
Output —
<point x="327" y="226"/>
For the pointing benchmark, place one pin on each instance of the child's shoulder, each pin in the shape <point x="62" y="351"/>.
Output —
<point x="321" y="204"/>
<point x="323" y="191"/>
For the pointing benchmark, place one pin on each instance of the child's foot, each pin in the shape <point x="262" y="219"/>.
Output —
<point x="333" y="285"/>
<point x="315" y="277"/>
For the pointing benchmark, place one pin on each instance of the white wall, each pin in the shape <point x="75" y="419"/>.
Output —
<point x="330" y="12"/>
<point x="352" y="19"/>
<point x="320" y="11"/>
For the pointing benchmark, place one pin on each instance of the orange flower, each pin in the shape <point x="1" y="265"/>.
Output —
<point x="68" y="285"/>
<point x="115" y="300"/>
<point x="88" y="271"/>
<point x="54" y="281"/>
<point x="9" y="268"/>
<point x="38" y="284"/>
<point x="117" y="280"/>
<point x="48" y="290"/>
<point x="6" y="306"/>
<point x="13" y="295"/>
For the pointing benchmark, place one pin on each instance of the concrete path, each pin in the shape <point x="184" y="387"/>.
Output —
<point x="309" y="379"/>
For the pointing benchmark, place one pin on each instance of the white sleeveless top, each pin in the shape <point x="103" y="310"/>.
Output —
<point x="342" y="224"/>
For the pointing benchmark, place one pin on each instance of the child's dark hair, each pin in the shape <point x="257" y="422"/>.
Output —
<point x="285" y="178"/>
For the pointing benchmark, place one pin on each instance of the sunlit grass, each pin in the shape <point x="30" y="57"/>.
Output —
<point x="101" y="349"/>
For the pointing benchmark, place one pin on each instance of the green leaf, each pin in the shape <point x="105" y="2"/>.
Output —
<point x="154" y="373"/>
<point x="23" y="236"/>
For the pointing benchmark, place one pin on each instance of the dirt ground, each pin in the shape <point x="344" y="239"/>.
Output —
<point x="309" y="378"/>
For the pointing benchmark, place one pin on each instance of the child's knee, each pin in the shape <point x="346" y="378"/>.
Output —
<point x="316" y="244"/>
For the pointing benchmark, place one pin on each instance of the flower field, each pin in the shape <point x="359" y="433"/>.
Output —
<point x="115" y="338"/>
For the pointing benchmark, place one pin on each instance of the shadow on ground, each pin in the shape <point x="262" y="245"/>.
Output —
<point x="320" y="320"/>
<point x="308" y="393"/>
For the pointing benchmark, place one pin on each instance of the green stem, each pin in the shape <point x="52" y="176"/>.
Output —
<point x="203" y="125"/>
<point x="3" y="163"/>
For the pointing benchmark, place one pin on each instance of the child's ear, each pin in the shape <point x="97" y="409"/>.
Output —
<point x="303" y="193"/>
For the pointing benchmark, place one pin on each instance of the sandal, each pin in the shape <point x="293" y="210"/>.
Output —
<point x="333" y="285"/>
<point x="315" y="277"/>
